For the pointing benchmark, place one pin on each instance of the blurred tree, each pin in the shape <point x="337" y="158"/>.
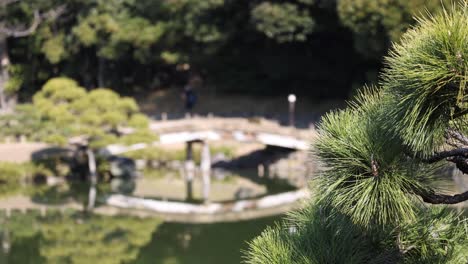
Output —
<point x="113" y="30"/>
<point x="99" y="114"/>
<point x="282" y="21"/>
<point x="239" y="46"/>
<point x="18" y="19"/>
<point x="376" y="23"/>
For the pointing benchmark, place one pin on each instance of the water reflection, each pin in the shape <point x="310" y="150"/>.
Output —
<point x="225" y="185"/>
<point x="175" y="243"/>
<point x="73" y="238"/>
<point x="77" y="238"/>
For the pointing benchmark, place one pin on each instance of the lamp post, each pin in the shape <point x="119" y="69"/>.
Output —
<point x="292" y="102"/>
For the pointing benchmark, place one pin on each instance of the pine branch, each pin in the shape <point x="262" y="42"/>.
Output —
<point x="54" y="13"/>
<point x="7" y="2"/>
<point x="460" y="152"/>
<point x="22" y="33"/>
<point x="38" y="18"/>
<point x="434" y="198"/>
<point x="460" y="162"/>
<point x="458" y="136"/>
<point x="460" y="158"/>
<point x="460" y="114"/>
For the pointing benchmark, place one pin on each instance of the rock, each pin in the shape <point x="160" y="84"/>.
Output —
<point x="52" y="153"/>
<point x="123" y="168"/>
<point x="122" y="186"/>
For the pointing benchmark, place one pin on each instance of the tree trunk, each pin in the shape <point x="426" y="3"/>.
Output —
<point x="93" y="179"/>
<point x="101" y="65"/>
<point x="4" y="76"/>
<point x="7" y="101"/>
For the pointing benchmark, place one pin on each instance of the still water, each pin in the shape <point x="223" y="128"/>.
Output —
<point x="74" y="238"/>
<point x="204" y="243"/>
<point x="35" y="237"/>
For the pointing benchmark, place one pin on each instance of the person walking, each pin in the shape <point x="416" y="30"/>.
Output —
<point x="190" y="99"/>
<point x="189" y="95"/>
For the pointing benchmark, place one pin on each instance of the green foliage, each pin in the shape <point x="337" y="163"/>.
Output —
<point x="283" y="22"/>
<point x="240" y="45"/>
<point x="164" y="154"/>
<point x="427" y="76"/>
<point x="62" y="110"/>
<point x="13" y="175"/>
<point x="195" y="19"/>
<point x="368" y="193"/>
<point x="140" y="136"/>
<point x="27" y="121"/>
<point x="350" y="143"/>
<point x="170" y="57"/>
<point x="369" y="17"/>
<point x="74" y="238"/>
<point x="439" y="236"/>
<point x="115" y="31"/>
<point x="16" y="80"/>
<point x="72" y="111"/>
<point x="54" y="49"/>
<point x="99" y="239"/>
<point x="376" y="22"/>
<point x="156" y="153"/>
<point x="313" y="236"/>
<point x="138" y="120"/>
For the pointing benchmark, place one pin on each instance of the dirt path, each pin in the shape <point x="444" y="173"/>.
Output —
<point x="19" y="152"/>
<point x="275" y="107"/>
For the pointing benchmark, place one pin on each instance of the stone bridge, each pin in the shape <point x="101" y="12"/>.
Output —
<point x="210" y="212"/>
<point x="117" y="204"/>
<point x="205" y="130"/>
<point x="243" y="130"/>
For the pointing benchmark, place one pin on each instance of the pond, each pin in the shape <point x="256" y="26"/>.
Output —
<point x="59" y="234"/>
<point x="74" y="238"/>
<point x="175" y="243"/>
<point x="225" y="185"/>
<point x="69" y="236"/>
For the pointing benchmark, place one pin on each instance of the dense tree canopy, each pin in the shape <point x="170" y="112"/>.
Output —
<point x="320" y="48"/>
<point x="282" y="22"/>
<point x="377" y="22"/>
<point x="382" y="157"/>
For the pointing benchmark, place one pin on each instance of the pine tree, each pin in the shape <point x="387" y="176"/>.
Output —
<point x="18" y="20"/>
<point x="383" y="156"/>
